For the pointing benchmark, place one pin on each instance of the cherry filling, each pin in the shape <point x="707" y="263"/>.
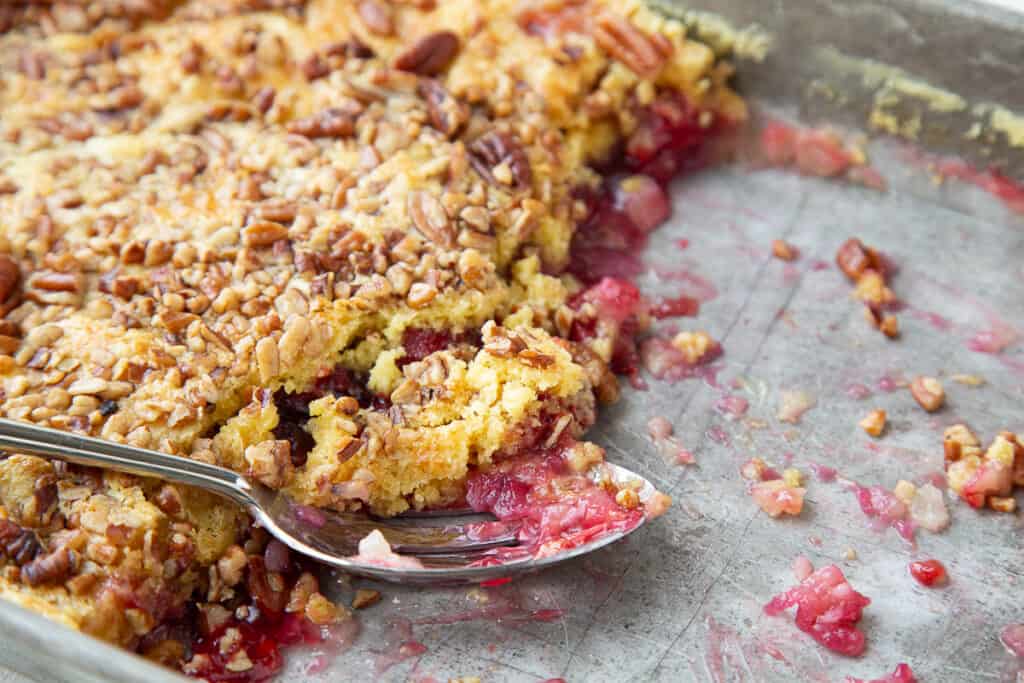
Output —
<point x="928" y="572"/>
<point x="420" y="342"/>
<point x="827" y="609"/>
<point x="630" y="204"/>
<point x="293" y="409"/>
<point x="552" y="507"/>
<point x="242" y="639"/>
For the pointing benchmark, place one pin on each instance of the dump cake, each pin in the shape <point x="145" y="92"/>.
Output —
<point x="356" y="250"/>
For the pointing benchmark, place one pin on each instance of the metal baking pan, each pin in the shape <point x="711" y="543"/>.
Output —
<point x="681" y="600"/>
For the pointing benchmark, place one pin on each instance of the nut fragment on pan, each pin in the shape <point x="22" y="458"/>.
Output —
<point x="324" y="244"/>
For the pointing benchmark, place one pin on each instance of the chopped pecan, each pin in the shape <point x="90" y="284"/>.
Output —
<point x="32" y="65"/>
<point x="504" y="346"/>
<point x="855" y="259"/>
<point x="377" y="16"/>
<point x="264" y="98"/>
<point x="874" y="422"/>
<point x="43" y="505"/>
<point x="429" y="55"/>
<point x="10" y="275"/>
<point x="365" y="597"/>
<point x="535" y="359"/>
<point x="262" y="588"/>
<point x="314" y="67"/>
<point x="192" y="58"/>
<point x="642" y="53"/>
<point x="784" y="251"/>
<point x="430" y="218"/>
<point x="168" y="499"/>
<point x="447" y="114"/>
<point x="928" y="393"/>
<point x="176" y="322"/>
<point x="496" y="150"/>
<point x="263" y="233"/>
<point x="329" y="123"/>
<point x="282" y="212"/>
<point x="51" y="281"/>
<point x="349" y="450"/>
<point x="52" y="568"/>
<point x="270" y="462"/>
<point x="17" y="544"/>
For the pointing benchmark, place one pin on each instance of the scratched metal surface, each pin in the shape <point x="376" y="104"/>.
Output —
<point x="681" y="599"/>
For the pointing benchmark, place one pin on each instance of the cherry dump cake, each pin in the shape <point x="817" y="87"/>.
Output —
<point x="359" y="251"/>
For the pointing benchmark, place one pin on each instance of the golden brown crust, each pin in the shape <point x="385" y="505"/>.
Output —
<point x="204" y="203"/>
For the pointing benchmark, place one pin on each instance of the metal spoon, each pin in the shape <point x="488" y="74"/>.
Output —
<point x="441" y="541"/>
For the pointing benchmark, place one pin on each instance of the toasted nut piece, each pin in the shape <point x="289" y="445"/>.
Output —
<point x="960" y="472"/>
<point x="270" y="462"/>
<point x="753" y="469"/>
<point x="430" y="55"/>
<point x="231" y="565"/>
<point x="784" y="251"/>
<point x="421" y="294"/>
<point x="871" y="289"/>
<point x="365" y="597"/>
<point x="792" y="477"/>
<point x="263" y="234"/>
<point x="905" y="491"/>
<point x="1002" y="503"/>
<point x="322" y="611"/>
<point x="1003" y="450"/>
<point x="377" y="17"/>
<point x="959" y="441"/>
<point x="928" y="393"/>
<point x="628" y="499"/>
<point x="10" y="275"/>
<point x="854" y="259"/>
<point x="695" y="346"/>
<point x="447" y="114"/>
<point x="890" y="326"/>
<point x="267" y="359"/>
<point x="642" y="53"/>
<point x="583" y="455"/>
<point x="874" y="422"/>
<point x="430" y="218"/>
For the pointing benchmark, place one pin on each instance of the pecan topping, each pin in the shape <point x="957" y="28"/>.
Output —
<point x="44" y="501"/>
<point x="262" y="588"/>
<point x="377" y="17"/>
<point x="535" y="359"/>
<point x="855" y="259"/>
<point x="192" y="58"/>
<point x="500" y="159"/>
<point x="314" y="67"/>
<point x="430" y="218"/>
<point x="270" y="462"/>
<point x="264" y="98"/>
<point x="52" y="568"/>
<point x="447" y="114"/>
<point x="18" y="545"/>
<point x="429" y="55"/>
<point x="784" y="251"/>
<point x="330" y="123"/>
<point x="928" y="393"/>
<point x="31" y="64"/>
<point x="263" y="233"/>
<point x="642" y="53"/>
<point x="10" y="275"/>
<point x="56" y="282"/>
